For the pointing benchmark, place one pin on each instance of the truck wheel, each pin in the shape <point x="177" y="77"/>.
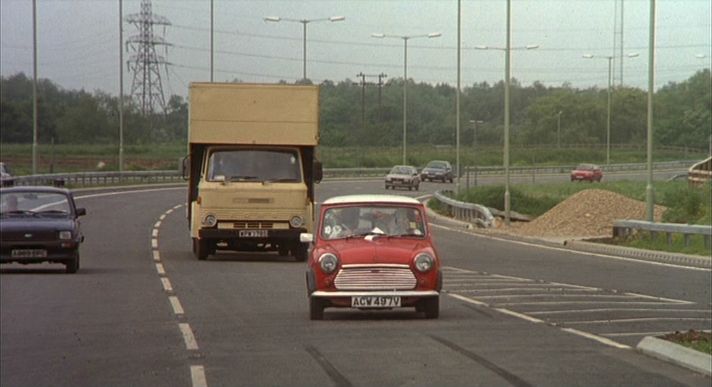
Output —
<point x="316" y="309"/>
<point x="283" y="251"/>
<point x="431" y="307"/>
<point x="73" y="264"/>
<point x="300" y="253"/>
<point x="200" y="248"/>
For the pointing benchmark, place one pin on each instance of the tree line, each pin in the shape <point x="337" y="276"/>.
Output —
<point x="352" y="115"/>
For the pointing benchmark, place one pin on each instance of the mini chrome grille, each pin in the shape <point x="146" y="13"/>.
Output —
<point x="375" y="278"/>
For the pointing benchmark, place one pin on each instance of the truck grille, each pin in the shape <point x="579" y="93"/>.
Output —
<point x="253" y="225"/>
<point x="375" y="278"/>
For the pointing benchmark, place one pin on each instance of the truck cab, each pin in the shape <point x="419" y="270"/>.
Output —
<point x="252" y="167"/>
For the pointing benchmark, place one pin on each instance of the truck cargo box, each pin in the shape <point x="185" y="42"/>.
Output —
<point x="238" y="113"/>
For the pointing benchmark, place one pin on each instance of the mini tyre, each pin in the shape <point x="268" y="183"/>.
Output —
<point x="316" y="309"/>
<point x="431" y="307"/>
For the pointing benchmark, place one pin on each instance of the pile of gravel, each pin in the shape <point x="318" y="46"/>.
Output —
<point x="588" y="213"/>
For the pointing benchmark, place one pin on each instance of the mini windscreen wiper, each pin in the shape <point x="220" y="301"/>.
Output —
<point x="405" y="235"/>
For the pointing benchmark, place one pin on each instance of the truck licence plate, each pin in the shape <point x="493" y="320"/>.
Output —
<point x="252" y="234"/>
<point x="375" y="302"/>
<point x="29" y="253"/>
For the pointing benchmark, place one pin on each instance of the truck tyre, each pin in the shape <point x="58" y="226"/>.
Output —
<point x="73" y="264"/>
<point x="200" y="248"/>
<point x="316" y="309"/>
<point x="300" y="253"/>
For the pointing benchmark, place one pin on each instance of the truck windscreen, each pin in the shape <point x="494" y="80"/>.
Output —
<point x="263" y="165"/>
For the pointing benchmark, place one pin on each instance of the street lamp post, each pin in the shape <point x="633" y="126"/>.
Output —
<point x="608" y="109"/>
<point x="276" y="19"/>
<point x="507" y="50"/>
<point x="405" y="74"/>
<point x="558" y="129"/>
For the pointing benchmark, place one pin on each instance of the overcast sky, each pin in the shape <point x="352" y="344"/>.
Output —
<point x="78" y="41"/>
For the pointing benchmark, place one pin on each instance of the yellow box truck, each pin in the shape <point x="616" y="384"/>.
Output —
<point x="251" y="167"/>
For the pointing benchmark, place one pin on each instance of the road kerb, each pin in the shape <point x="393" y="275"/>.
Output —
<point x="676" y="354"/>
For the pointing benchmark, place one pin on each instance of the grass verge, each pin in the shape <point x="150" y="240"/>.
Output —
<point x="697" y="340"/>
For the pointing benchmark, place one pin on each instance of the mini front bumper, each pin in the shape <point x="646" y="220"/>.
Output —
<point x="377" y="293"/>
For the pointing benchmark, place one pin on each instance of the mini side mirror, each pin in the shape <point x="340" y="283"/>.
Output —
<point x="81" y="211"/>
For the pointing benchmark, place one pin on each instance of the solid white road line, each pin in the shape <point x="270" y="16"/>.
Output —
<point x="166" y="284"/>
<point x="522" y="289"/>
<point x="569" y="251"/>
<point x="160" y="269"/>
<point x="188" y="337"/>
<point x="626" y="334"/>
<point x="175" y="303"/>
<point x="600" y="339"/>
<point x="584" y="303"/>
<point x="197" y="375"/>
<point x="539" y="295"/>
<point x="597" y="310"/>
<point x="519" y="315"/>
<point x="634" y="320"/>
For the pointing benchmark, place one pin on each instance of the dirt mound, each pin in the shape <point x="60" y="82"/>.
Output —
<point x="587" y="213"/>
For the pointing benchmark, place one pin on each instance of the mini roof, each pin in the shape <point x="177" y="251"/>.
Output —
<point x="347" y="199"/>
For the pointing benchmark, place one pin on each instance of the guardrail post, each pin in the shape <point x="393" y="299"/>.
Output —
<point x="707" y="241"/>
<point x="687" y="239"/>
<point x="669" y="238"/>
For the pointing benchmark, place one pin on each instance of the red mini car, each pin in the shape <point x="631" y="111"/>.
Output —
<point x="373" y="252"/>
<point x="590" y="172"/>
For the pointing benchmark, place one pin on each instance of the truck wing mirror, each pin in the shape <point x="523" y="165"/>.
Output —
<point x="184" y="167"/>
<point x="318" y="171"/>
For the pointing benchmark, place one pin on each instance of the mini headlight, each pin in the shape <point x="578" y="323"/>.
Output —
<point x="296" y="221"/>
<point x="65" y="235"/>
<point x="210" y="220"/>
<point x="423" y="262"/>
<point x="328" y="262"/>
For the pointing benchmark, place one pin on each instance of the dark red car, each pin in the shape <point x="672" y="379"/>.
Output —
<point x="373" y="252"/>
<point x="587" y="172"/>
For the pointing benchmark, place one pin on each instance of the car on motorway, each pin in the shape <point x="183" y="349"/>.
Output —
<point x="587" y="172"/>
<point x="40" y="224"/>
<point x="437" y="170"/>
<point x="372" y="252"/>
<point x="403" y="176"/>
<point x="6" y="178"/>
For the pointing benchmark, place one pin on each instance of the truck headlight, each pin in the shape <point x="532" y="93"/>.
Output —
<point x="296" y="221"/>
<point x="423" y="262"/>
<point x="210" y="220"/>
<point x="65" y="235"/>
<point x="328" y="263"/>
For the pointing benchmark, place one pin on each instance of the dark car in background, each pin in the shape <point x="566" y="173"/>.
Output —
<point x="403" y="176"/>
<point x="587" y="172"/>
<point x="437" y="170"/>
<point x="40" y="224"/>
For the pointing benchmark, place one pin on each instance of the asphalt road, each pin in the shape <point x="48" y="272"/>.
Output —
<point x="142" y="311"/>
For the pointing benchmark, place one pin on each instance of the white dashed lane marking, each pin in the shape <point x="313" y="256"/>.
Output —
<point x="197" y="371"/>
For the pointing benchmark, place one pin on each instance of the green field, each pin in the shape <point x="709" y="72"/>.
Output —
<point x="74" y="158"/>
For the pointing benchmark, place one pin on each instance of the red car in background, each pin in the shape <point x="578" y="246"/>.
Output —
<point x="372" y="252"/>
<point x="587" y="172"/>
